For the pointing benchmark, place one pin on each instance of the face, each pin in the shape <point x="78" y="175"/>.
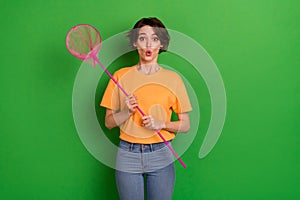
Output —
<point x="148" y="44"/>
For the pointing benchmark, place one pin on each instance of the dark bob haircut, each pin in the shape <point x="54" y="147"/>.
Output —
<point x="158" y="27"/>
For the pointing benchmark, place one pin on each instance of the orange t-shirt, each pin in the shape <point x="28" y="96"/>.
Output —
<point x="158" y="94"/>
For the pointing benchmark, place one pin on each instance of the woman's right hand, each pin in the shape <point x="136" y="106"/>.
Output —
<point x="131" y="102"/>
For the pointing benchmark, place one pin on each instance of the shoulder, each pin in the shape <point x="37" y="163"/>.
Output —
<point x="122" y="71"/>
<point x="171" y="75"/>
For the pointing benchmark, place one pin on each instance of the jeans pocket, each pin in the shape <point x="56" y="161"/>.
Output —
<point x="124" y="145"/>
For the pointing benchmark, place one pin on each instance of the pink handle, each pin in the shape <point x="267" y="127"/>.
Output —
<point x="94" y="56"/>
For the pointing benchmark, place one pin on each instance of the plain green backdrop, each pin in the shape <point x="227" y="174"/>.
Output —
<point x="256" y="46"/>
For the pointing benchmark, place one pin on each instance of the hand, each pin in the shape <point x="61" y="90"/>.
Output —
<point x="153" y="124"/>
<point x="131" y="102"/>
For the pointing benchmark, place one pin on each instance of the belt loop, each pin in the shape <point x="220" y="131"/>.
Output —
<point x="151" y="147"/>
<point x="131" y="147"/>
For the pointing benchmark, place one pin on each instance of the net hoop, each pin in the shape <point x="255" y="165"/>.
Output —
<point x="81" y="30"/>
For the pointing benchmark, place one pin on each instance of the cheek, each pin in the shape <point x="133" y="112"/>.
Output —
<point x="140" y="44"/>
<point x="157" y="48"/>
<point x="140" y="51"/>
<point x="157" y="45"/>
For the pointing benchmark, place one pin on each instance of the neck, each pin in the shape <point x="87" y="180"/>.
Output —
<point x="148" y="68"/>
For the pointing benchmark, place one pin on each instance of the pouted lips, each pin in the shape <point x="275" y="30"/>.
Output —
<point x="148" y="53"/>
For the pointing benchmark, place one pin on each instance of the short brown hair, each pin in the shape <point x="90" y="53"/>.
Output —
<point x="158" y="27"/>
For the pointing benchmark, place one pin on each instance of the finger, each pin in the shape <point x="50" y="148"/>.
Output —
<point x="132" y="102"/>
<point x="146" y="118"/>
<point x="134" y="105"/>
<point x="132" y="96"/>
<point x="148" y="124"/>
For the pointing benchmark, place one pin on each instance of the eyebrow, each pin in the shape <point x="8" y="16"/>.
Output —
<point x="146" y="34"/>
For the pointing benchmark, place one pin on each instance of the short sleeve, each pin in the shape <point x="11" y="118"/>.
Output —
<point x="182" y="103"/>
<point x="111" y="97"/>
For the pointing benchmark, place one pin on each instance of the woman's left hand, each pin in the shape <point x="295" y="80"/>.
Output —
<point x="153" y="124"/>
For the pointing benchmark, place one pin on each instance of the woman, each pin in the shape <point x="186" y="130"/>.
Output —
<point x="142" y="153"/>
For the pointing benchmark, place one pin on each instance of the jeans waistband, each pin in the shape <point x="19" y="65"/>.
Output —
<point x="141" y="148"/>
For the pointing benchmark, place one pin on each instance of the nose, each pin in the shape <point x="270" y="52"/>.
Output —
<point x="148" y="43"/>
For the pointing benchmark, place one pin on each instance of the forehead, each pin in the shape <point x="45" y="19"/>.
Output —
<point x="148" y="30"/>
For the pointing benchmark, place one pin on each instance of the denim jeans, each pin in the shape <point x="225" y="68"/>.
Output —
<point x="154" y="162"/>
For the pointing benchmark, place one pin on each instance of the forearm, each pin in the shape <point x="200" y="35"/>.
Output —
<point x="181" y="125"/>
<point x="113" y="118"/>
<point x="177" y="126"/>
<point x="116" y="118"/>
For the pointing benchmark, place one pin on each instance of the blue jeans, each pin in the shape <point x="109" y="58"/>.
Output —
<point x="154" y="162"/>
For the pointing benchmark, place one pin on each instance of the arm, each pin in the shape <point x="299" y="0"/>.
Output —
<point x="114" y="118"/>
<point x="181" y="125"/>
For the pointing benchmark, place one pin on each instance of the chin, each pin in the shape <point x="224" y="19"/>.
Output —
<point x="147" y="59"/>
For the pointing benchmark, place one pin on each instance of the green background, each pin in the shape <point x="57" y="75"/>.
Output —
<point x="256" y="47"/>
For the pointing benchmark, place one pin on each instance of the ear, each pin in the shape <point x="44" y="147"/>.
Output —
<point x="134" y="44"/>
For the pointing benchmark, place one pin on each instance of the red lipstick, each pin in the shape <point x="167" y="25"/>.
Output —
<point x="148" y="52"/>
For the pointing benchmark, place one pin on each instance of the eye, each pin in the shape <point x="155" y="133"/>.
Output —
<point x="141" y="38"/>
<point x="155" y="39"/>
